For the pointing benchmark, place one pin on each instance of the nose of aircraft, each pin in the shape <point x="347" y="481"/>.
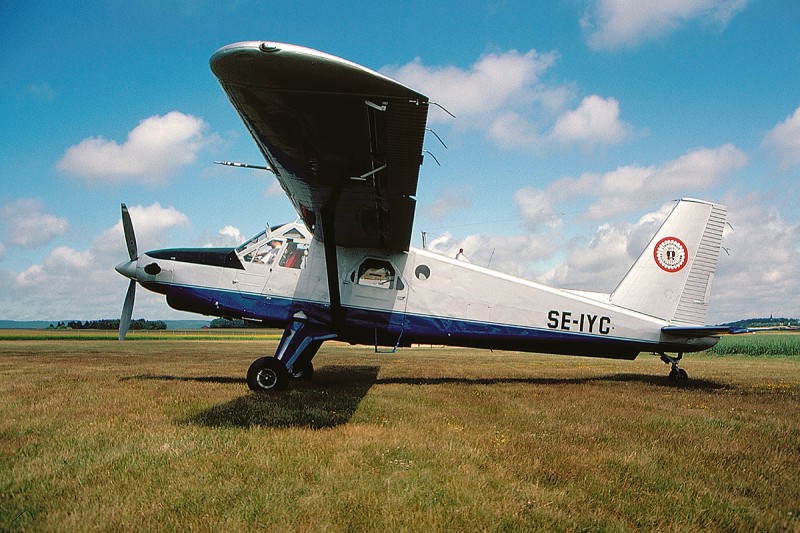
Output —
<point x="127" y="269"/>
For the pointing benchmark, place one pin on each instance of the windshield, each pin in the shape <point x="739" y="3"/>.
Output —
<point x="260" y="238"/>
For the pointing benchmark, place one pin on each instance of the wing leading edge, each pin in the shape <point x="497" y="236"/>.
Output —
<point x="344" y="142"/>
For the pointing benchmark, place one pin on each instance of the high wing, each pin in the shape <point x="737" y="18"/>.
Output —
<point x="344" y="142"/>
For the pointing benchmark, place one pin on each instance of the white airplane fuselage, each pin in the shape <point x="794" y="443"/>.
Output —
<point x="415" y="297"/>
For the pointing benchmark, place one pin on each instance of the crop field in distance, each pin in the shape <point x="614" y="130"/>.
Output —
<point x="161" y="433"/>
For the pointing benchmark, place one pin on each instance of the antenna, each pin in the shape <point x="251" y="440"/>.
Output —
<point x="433" y="156"/>
<point x="437" y="136"/>
<point x="243" y="165"/>
<point x="440" y="106"/>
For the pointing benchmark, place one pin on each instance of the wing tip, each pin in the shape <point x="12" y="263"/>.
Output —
<point x="236" y="61"/>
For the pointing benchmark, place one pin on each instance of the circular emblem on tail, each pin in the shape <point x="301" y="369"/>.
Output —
<point x="670" y="254"/>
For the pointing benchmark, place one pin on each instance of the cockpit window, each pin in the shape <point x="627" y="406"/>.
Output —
<point x="295" y="255"/>
<point x="378" y="273"/>
<point x="266" y="253"/>
<point x="285" y="245"/>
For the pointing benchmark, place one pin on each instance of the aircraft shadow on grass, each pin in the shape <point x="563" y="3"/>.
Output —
<point x="329" y="401"/>
<point x="662" y="381"/>
<point x="336" y="392"/>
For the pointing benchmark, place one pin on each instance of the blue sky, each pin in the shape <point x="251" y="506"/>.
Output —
<point x="578" y="122"/>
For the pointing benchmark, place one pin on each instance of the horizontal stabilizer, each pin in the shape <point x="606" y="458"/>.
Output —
<point x="702" y="331"/>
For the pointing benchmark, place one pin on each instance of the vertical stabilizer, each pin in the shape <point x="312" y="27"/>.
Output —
<point x="672" y="278"/>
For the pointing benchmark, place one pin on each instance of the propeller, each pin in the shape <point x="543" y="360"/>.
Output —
<point x="128" y="269"/>
<point x="130" y="237"/>
<point x="127" y="310"/>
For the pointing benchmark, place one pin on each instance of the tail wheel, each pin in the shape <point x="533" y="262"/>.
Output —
<point x="267" y="374"/>
<point x="678" y="374"/>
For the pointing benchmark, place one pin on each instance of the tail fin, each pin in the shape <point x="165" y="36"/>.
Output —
<point x="672" y="278"/>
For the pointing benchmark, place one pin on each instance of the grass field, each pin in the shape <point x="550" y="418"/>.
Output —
<point x="164" y="435"/>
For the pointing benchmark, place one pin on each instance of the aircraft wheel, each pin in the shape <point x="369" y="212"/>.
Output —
<point x="302" y="371"/>
<point x="674" y="375"/>
<point x="267" y="374"/>
<point x="682" y="375"/>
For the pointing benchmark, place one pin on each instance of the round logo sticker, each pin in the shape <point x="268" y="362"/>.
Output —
<point x="670" y="254"/>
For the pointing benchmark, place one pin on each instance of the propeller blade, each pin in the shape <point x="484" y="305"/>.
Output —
<point x="127" y="310"/>
<point x="130" y="237"/>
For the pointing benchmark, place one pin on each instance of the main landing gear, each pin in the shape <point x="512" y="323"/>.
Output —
<point x="269" y="373"/>
<point x="292" y="361"/>
<point x="676" y="373"/>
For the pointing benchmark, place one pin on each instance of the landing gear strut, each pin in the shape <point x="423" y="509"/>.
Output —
<point x="300" y="342"/>
<point x="676" y="373"/>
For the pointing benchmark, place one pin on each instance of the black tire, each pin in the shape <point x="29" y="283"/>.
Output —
<point x="682" y="375"/>
<point x="674" y="375"/>
<point x="302" y="371"/>
<point x="267" y="374"/>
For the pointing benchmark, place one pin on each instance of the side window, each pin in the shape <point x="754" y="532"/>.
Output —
<point x="294" y="256"/>
<point x="267" y="253"/>
<point x="378" y="273"/>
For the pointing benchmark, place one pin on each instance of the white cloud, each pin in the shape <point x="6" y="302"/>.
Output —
<point x="150" y="225"/>
<point x="493" y="82"/>
<point x="61" y="265"/>
<point x="628" y="187"/>
<point x="450" y="200"/>
<point x="513" y="254"/>
<point x="155" y="149"/>
<point x="784" y="140"/>
<point x="274" y="189"/>
<point x="596" y="120"/>
<point x="511" y="129"/>
<point x="227" y="237"/>
<point x="504" y="95"/>
<point x="536" y="207"/>
<point x="82" y="284"/>
<point x="67" y="284"/>
<point x="26" y="224"/>
<point x="759" y="277"/>
<point x="233" y="234"/>
<point x="610" y="253"/>
<point x="612" y="24"/>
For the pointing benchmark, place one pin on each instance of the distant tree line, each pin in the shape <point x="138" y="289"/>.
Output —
<point x="238" y="323"/>
<point x="113" y="323"/>
<point x="764" y="322"/>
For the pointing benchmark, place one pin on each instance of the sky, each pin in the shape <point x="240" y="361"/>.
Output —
<point x="578" y="123"/>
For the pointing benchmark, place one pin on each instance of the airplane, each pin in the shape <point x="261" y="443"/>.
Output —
<point x="346" y="145"/>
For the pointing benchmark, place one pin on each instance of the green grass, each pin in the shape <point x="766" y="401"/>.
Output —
<point x="164" y="435"/>
<point x="759" y="344"/>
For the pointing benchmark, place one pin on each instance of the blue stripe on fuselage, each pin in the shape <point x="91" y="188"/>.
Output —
<point x="361" y="325"/>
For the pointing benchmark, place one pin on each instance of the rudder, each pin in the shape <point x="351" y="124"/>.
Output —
<point x="672" y="278"/>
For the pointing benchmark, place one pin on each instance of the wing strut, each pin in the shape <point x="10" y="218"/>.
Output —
<point x="332" y="266"/>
